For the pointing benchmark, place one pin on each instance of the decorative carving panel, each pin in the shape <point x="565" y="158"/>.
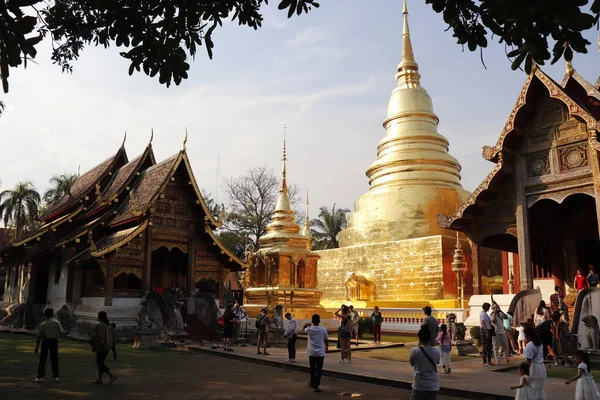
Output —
<point x="571" y="131"/>
<point x="538" y="164"/>
<point x="171" y="222"/>
<point x="172" y="193"/>
<point x="180" y="210"/>
<point x="162" y="207"/>
<point x="573" y="157"/>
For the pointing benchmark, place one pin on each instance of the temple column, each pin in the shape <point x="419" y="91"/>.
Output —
<point x="522" y="217"/>
<point x="191" y="278"/>
<point x="595" y="167"/>
<point x="147" y="270"/>
<point x="475" y="266"/>
<point x="110" y="280"/>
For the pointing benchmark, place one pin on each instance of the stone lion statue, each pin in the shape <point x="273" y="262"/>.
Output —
<point x="592" y="333"/>
<point x="358" y="287"/>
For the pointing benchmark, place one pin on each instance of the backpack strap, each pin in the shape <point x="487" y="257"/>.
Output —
<point x="429" y="358"/>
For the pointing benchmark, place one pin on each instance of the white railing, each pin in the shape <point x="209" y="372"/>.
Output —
<point x="411" y="319"/>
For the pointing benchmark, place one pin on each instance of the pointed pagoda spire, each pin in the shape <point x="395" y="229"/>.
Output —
<point x="306" y="229"/>
<point x="284" y="187"/>
<point x="283" y="203"/>
<point x="408" y="69"/>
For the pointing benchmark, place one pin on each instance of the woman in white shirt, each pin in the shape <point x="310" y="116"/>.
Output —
<point x="424" y="358"/>
<point x="534" y="353"/>
<point x="318" y="345"/>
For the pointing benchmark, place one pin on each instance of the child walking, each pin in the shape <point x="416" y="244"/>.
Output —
<point x="586" y="388"/>
<point x="524" y="389"/>
<point x="444" y="339"/>
<point x="521" y="330"/>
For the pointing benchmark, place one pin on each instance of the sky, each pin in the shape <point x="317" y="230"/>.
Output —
<point x="326" y="75"/>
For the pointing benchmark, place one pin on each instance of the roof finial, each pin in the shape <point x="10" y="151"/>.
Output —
<point x="284" y="172"/>
<point x="408" y="70"/>
<point x="151" y="135"/>
<point x="306" y="219"/>
<point x="124" y="140"/>
<point x="569" y="68"/>
<point x="184" y="140"/>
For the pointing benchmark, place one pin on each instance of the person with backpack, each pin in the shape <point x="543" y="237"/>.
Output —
<point x="424" y="359"/>
<point x="262" y="327"/>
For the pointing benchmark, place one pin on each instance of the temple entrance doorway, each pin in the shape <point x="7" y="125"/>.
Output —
<point x="563" y="237"/>
<point x="169" y="267"/>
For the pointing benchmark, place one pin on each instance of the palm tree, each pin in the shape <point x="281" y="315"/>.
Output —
<point x="328" y="226"/>
<point x="59" y="186"/>
<point x="20" y="206"/>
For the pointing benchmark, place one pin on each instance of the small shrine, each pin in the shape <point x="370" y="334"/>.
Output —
<point x="284" y="270"/>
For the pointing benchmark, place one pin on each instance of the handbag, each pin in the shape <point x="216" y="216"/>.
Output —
<point x="429" y="358"/>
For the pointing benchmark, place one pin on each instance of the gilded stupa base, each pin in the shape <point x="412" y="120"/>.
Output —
<point x="302" y="303"/>
<point x="409" y="273"/>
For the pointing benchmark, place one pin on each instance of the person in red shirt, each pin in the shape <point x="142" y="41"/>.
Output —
<point x="580" y="280"/>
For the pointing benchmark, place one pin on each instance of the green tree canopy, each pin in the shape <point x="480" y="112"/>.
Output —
<point x="327" y="227"/>
<point x="158" y="36"/>
<point x="19" y="206"/>
<point x="527" y="27"/>
<point x="59" y="186"/>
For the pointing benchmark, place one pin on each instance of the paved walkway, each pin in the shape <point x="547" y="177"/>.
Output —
<point x="469" y="379"/>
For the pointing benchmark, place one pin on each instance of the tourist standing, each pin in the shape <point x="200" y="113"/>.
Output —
<point x="510" y="334"/>
<point x="521" y="337"/>
<point x="229" y="320"/>
<point x="424" y="359"/>
<point x="318" y="345"/>
<point x="534" y="353"/>
<point x="524" y="389"/>
<point x="444" y="339"/>
<point x="339" y="338"/>
<point x="500" y="339"/>
<point x="354" y="324"/>
<point x="292" y="336"/>
<point x="240" y="315"/>
<point x="431" y="323"/>
<point x="555" y="300"/>
<point x="49" y="332"/>
<point x="101" y="344"/>
<point x="586" y="388"/>
<point x="592" y="277"/>
<point x="262" y="326"/>
<point x="580" y="281"/>
<point x="541" y="314"/>
<point x="345" y="334"/>
<point x="114" y="340"/>
<point x="377" y="319"/>
<point x="487" y="333"/>
<point x="557" y="340"/>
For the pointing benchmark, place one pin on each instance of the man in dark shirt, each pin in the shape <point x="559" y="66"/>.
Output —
<point x="431" y="323"/>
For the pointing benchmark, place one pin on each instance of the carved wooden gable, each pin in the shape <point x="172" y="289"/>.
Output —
<point x="555" y="153"/>
<point x="175" y="208"/>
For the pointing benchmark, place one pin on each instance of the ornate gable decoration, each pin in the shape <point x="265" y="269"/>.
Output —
<point x="495" y="153"/>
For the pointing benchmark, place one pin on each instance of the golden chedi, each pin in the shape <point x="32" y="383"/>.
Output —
<point x="392" y="242"/>
<point x="284" y="270"/>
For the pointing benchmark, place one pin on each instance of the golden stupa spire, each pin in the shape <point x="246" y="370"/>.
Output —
<point x="408" y="69"/>
<point x="284" y="187"/>
<point x="283" y="226"/>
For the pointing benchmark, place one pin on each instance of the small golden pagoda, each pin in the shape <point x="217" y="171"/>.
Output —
<point x="284" y="270"/>
<point x="392" y="249"/>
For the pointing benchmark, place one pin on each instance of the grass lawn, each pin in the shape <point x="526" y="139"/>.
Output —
<point x="397" y="354"/>
<point x="384" y="338"/>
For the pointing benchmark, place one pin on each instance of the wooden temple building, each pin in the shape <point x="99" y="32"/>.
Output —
<point x="126" y="228"/>
<point x="540" y="202"/>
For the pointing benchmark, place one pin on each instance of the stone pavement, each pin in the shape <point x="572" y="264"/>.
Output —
<point x="468" y="380"/>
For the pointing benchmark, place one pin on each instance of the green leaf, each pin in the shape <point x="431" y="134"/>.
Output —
<point x="568" y="53"/>
<point x="528" y="63"/>
<point x="284" y="4"/>
<point x="518" y="61"/>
